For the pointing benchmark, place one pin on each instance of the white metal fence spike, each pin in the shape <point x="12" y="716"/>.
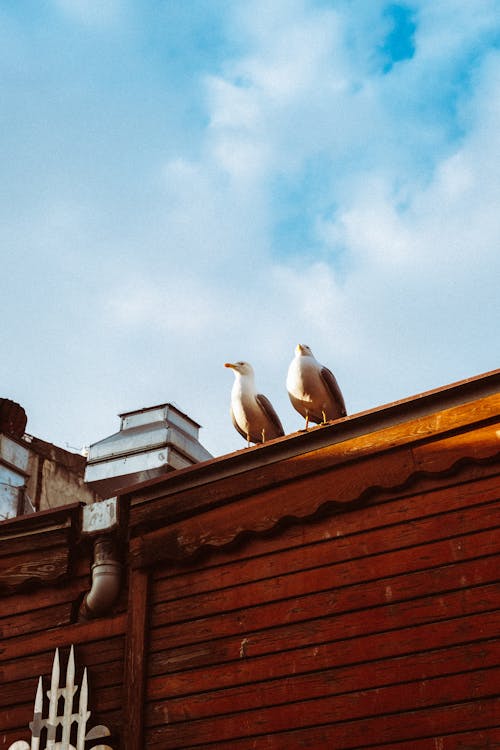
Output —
<point x="37" y="716"/>
<point x="68" y="694"/>
<point x="53" y="702"/>
<point x="82" y="713"/>
<point x="67" y="719"/>
<point x="70" y="672"/>
<point x="39" y="697"/>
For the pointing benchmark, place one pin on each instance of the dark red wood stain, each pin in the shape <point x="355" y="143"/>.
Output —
<point x="344" y="596"/>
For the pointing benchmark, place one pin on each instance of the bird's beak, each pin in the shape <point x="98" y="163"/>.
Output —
<point x="299" y="349"/>
<point x="228" y="364"/>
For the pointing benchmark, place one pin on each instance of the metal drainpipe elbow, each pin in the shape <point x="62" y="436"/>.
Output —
<point x="106" y="581"/>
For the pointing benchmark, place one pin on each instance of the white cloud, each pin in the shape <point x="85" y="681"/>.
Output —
<point x="416" y="241"/>
<point x="178" y="306"/>
<point x="98" y="13"/>
<point x="392" y="181"/>
<point x="233" y="106"/>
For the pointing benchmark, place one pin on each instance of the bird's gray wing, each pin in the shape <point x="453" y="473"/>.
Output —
<point x="237" y="427"/>
<point x="333" y="387"/>
<point x="268" y="408"/>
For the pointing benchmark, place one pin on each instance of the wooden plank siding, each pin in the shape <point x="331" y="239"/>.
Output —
<point x="44" y="573"/>
<point x="29" y="653"/>
<point x="375" y="625"/>
<point x="332" y="590"/>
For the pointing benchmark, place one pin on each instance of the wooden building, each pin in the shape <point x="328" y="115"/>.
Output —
<point x="338" y="588"/>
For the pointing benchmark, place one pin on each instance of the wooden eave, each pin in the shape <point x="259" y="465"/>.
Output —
<point x="38" y="548"/>
<point x="256" y="489"/>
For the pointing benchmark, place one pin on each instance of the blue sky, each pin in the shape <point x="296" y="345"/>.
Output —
<point x="184" y="184"/>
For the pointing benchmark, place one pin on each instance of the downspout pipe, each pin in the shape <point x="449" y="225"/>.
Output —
<point x="100" y="524"/>
<point x="106" y="581"/>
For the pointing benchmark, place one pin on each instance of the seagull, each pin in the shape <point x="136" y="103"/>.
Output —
<point x="312" y="388"/>
<point x="252" y="413"/>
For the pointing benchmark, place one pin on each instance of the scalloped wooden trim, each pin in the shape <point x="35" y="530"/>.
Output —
<point x="305" y="497"/>
<point x="169" y="503"/>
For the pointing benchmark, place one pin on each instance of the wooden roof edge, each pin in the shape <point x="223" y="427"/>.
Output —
<point x="36" y="549"/>
<point x="42" y="521"/>
<point x="218" y="529"/>
<point x="299" y="443"/>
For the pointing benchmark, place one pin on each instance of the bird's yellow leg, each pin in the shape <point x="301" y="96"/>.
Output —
<point x="324" y="416"/>
<point x="248" y="440"/>
<point x="263" y="435"/>
<point x="307" y="421"/>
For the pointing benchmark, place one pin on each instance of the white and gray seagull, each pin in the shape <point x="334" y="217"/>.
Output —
<point x="313" y="389"/>
<point x="252" y="413"/>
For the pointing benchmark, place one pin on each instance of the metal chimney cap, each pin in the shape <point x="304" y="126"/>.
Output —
<point x="167" y="407"/>
<point x="150" y="442"/>
<point x="160" y="413"/>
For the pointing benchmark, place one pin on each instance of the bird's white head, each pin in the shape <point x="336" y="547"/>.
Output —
<point x="244" y="369"/>
<point x="302" y="350"/>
